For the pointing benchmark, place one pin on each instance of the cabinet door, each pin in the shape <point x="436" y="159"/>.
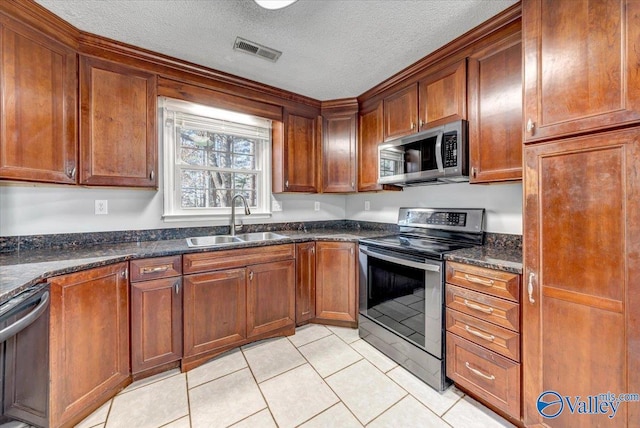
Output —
<point x="38" y="83"/>
<point x="305" y="282"/>
<point x="270" y="297"/>
<point x="495" y="112"/>
<point x="156" y="323"/>
<point x="89" y="337"/>
<point x="443" y="96"/>
<point x="118" y="144"/>
<point x="401" y="113"/>
<point x="371" y="134"/>
<point x="214" y="310"/>
<point x="300" y="154"/>
<point x="336" y="280"/>
<point x="339" y="153"/>
<point x="582" y="268"/>
<point x="580" y="66"/>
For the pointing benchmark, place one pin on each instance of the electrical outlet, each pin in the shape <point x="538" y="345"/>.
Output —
<point x="102" y="207"/>
<point x="367" y="205"/>
<point x="316" y="206"/>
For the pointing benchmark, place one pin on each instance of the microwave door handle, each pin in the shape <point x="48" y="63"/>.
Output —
<point x="439" y="152"/>
<point x="408" y="263"/>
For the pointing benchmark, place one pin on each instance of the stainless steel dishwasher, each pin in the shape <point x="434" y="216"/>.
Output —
<point x="24" y="354"/>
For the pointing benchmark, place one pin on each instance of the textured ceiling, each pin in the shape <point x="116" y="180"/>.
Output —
<point x="331" y="48"/>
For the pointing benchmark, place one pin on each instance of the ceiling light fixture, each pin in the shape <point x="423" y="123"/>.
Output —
<point x="274" y="4"/>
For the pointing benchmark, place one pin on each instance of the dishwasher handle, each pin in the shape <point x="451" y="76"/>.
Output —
<point x="26" y="321"/>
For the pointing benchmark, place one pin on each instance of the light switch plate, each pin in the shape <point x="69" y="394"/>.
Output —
<point x="316" y="206"/>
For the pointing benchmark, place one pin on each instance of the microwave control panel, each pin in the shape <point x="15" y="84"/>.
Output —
<point x="450" y="146"/>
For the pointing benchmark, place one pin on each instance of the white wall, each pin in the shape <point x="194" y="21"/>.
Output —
<point x="503" y="203"/>
<point x="41" y="209"/>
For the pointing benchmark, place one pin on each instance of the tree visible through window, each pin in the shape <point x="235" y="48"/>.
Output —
<point x="212" y="155"/>
<point x="220" y="166"/>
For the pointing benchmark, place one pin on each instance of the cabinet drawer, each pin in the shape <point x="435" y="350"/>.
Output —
<point x="498" y="339"/>
<point x="157" y="267"/>
<point x="485" y="374"/>
<point x="226" y="259"/>
<point x="490" y="281"/>
<point x="497" y="311"/>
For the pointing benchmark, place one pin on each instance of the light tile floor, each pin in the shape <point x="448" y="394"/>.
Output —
<point x="320" y="377"/>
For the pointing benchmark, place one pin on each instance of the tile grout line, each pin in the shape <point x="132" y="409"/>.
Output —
<point x="259" y="389"/>
<point x="186" y="383"/>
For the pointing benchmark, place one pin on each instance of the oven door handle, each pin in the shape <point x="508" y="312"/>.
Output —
<point x="26" y="321"/>
<point x="409" y="263"/>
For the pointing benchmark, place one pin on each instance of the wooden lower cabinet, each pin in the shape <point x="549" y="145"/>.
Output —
<point x="231" y="301"/>
<point x="270" y="297"/>
<point x="336" y="283"/>
<point x="483" y="335"/>
<point x="156" y="323"/>
<point x="89" y="339"/>
<point x="214" y="310"/>
<point x="305" y="282"/>
<point x="580" y="334"/>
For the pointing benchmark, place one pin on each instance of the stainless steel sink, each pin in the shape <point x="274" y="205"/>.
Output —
<point x="208" y="241"/>
<point x="260" y="236"/>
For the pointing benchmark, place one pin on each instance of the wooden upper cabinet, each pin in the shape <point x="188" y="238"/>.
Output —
<point x="443" y="96"/>
<point x="38" y="120"/>
<point x="582" y="269"/>
<point x="495" y="112"/>
<point x="370" y="135"/>
<point x="580" y="66"/>
<point x="339" y="152"/>
<point x="118" y="143"/>
<point x="296" y="157"/>
<point x="438" y="98"/>
<point x="401" y="113"/>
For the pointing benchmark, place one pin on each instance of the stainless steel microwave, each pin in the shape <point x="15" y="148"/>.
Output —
<point x="437" y="155"/>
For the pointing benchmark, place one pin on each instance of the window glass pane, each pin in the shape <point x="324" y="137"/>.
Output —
<point x="244" y="182"/>
<point x="244" y="162"/>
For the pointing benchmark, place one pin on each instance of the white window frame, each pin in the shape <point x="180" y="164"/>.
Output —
<point x="173" y="210"/>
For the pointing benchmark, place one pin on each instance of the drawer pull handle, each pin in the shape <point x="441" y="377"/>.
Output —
<point x="155" y="269"/>
<point x="477" y="307"/>
<point x="489" y="338"/>
<point x="478" y="372"/>
<point x="485" y="282"/>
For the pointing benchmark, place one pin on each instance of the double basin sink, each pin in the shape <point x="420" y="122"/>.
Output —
<point x="214" y="240"/>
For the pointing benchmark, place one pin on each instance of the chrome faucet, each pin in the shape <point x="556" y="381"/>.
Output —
<point x="247" y="211"/>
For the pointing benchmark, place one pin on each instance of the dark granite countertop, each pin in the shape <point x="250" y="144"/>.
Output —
<point x="20" y="270"/>
<point x="505" y="258"/>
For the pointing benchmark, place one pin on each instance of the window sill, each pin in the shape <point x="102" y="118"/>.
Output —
<point x="223" y="218"/>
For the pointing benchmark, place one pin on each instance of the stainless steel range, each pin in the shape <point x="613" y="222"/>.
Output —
<point x="402" y="286"/>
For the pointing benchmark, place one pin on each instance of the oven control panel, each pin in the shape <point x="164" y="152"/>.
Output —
<point x="451" y="219"/>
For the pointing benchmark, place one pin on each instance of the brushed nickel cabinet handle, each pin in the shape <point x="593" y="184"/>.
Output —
<point x="413" y="126"/>
<point x="478" y="372"/>
<point x="71" y="172"/>
<point x="125" y="273"/>
<point x="530" y="126"/>
<point x="421" y="123"/>
<point x="251" y="276"/>
<point x="489" y="338"/>
<point x="155" y="269"/>
<point x="477" y="307"/>
<point x="151" y="175"/>
<point x="530" y="287"/>
<point x="176" y="287"/>
<point x="286" y="184"/>
<point x="474" y="172"/>
<point x="485" y="282"/>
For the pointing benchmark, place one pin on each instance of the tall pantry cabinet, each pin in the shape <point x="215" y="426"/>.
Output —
<point x="580" y="334"/>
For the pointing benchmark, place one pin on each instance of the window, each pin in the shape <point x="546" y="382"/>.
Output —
<point x="212" y="155"/>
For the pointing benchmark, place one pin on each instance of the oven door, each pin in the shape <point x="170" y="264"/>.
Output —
<point x="404" y="294"/>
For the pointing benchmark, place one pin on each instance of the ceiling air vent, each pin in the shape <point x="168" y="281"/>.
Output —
<point x="256" y="49"/>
